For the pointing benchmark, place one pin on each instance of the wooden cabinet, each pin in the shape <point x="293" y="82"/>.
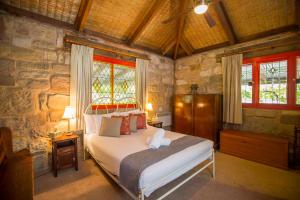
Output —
<point x="198" y="115"/>
<point x="64" y="152"/>
<point x="270" y="150"/>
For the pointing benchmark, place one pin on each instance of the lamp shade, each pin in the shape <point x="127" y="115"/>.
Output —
<point x="69" y="113"/>
<point x="149" y="106"/>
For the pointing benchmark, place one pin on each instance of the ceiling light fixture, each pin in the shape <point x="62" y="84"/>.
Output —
<point x="200" y="8"/>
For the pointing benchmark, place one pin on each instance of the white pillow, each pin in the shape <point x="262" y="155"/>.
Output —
<point x="89" y="123"/>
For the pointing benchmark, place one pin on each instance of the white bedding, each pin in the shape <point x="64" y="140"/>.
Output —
<point x="110" y="151"/>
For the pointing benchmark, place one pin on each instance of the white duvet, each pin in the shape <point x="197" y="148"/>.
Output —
<point x="110" y="151"/>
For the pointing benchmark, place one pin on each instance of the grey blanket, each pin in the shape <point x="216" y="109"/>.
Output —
<point x="133" y="165"/>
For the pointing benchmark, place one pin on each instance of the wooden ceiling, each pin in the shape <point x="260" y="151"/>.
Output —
<point x="139" y="23"/>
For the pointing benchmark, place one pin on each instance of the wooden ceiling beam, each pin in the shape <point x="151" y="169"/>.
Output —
<point x="284" y="29"/>
<point x="297" y="12"/>
<point x="168" y="45"/>
<point x="145" y="20"/>
<point x="41" y="18"/>
<point x="186" y="46"/>
<point x="83" y="13"/>
<point x="180" y="25"/>
<point x="225" y="22"/>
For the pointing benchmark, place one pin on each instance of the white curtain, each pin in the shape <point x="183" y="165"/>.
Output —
<point x="81" y="81"/>
<point x="141" y="81"/>
<point x="232" y="103"/>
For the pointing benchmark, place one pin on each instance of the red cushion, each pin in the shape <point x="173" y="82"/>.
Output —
<point x="140" y="121"/>
<point x="125" y="125"/>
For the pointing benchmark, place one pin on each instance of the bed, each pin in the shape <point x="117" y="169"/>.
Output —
<point x="109" y="152"/>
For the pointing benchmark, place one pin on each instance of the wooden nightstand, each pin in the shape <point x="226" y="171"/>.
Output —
<point x="64" y="152"/>
<point x="156" y="124"/>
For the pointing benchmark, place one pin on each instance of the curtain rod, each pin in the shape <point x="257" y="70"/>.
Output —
<point x="82" y="41"/>
<point x="261" y="47"/>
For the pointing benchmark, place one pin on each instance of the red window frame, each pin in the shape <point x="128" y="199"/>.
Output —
<point x="291" y="77"/>
<point x="113" y="61"/>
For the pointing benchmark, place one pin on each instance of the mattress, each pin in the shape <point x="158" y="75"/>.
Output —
<point x="110" y="151"/>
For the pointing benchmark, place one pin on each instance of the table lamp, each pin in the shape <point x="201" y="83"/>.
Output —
<point x="69" y="114"/>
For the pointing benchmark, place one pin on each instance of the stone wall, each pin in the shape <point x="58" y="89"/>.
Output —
<point x="35" y="81"/>
<point x="204" y="69"/>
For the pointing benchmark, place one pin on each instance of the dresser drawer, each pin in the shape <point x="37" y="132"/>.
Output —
<point x="260" y="148"/>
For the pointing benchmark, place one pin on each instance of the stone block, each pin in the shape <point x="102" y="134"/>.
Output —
<point x="61" y="69"/>
<point x="56" y="116"/>
<point x="60" y="38"/>
<point x="5" y="49"/>
<point x="21" y="101"/>
<point x="5" y="93"/>
<point x="181" y="82"/>
<point x="293" y="119"/>
<point x="266" y="113"/>
<point x="29" y="66"/>
<point x="58" y="102"/>
<point x="23" y="54"/>
<point x="34" y="84"/>
<point x="60" y="84"/>
<point x="43" y="102"/>
<point x="39" y="119"/>
<point x="24" y="42"/>
<point x="20" y="143"/>
<point x="41" y="44"/>
<point x="33" y="75"/>
<point x="249" y="112"/>
<point x="50" y="56"/>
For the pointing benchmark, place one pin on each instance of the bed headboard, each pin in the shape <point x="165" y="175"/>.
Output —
<point x="105" y="107"/>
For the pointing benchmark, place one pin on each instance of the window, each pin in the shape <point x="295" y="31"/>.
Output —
<point x="114" y="79"/>
<point x="247" y="83"/>
<point x="298" y="81"/>
<point x="272" y="81"/>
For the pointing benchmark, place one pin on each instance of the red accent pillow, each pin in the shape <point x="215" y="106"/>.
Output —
<point x="140" y="121"/>
<point x="125" y="125"/>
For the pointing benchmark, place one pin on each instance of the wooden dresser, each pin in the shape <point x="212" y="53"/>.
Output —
<point x="270" y="150"/>
<point x="199" y="115"/>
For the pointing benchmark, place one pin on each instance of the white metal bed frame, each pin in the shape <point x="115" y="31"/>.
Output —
<point x="141" y="195"/>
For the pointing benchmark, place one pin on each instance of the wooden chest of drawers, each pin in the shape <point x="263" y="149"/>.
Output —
<point x="261" y="148"/>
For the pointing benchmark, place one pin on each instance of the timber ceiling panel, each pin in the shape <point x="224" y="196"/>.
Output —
<point x="198" y="32"/>
<point x="139" y="22"/>
<point x="158" y="33"/>
<point x="115" y="18"/>
<point x="257" y="16"/>
<point x="65" y="11"/>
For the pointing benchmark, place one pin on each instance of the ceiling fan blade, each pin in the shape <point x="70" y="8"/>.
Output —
<point x="209" y="19"/>
<point x="176" y="16"/>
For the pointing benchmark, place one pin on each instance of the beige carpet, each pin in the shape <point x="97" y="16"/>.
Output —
<point x="235" y="179"/>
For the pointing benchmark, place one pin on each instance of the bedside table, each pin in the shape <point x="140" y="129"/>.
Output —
<point x="156" y="124"/>
<point x="64" y="152"/>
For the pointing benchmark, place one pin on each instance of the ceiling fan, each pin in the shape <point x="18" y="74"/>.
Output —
<point x="200" y="7"/>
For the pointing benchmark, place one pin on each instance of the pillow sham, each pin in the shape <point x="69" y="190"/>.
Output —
<point x="110" y="127"/>
<point x="141" y="120"/>
<point x="132" y="123"/>
<point x="98" y="120"/>
<point x="125" y="126"/>
<point x="89" y="124"/>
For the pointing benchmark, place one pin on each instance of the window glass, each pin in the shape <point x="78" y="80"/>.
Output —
<point x="273" y="82"/>
<point x="124" y="84"/>
<point x="246" y="86"/>
<point x="298" y="82"/>
<point x="101" y="85"/>
<point x="113" y="81"/>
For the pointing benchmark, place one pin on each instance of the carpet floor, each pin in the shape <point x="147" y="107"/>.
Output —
<point x="235" y="179"/>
